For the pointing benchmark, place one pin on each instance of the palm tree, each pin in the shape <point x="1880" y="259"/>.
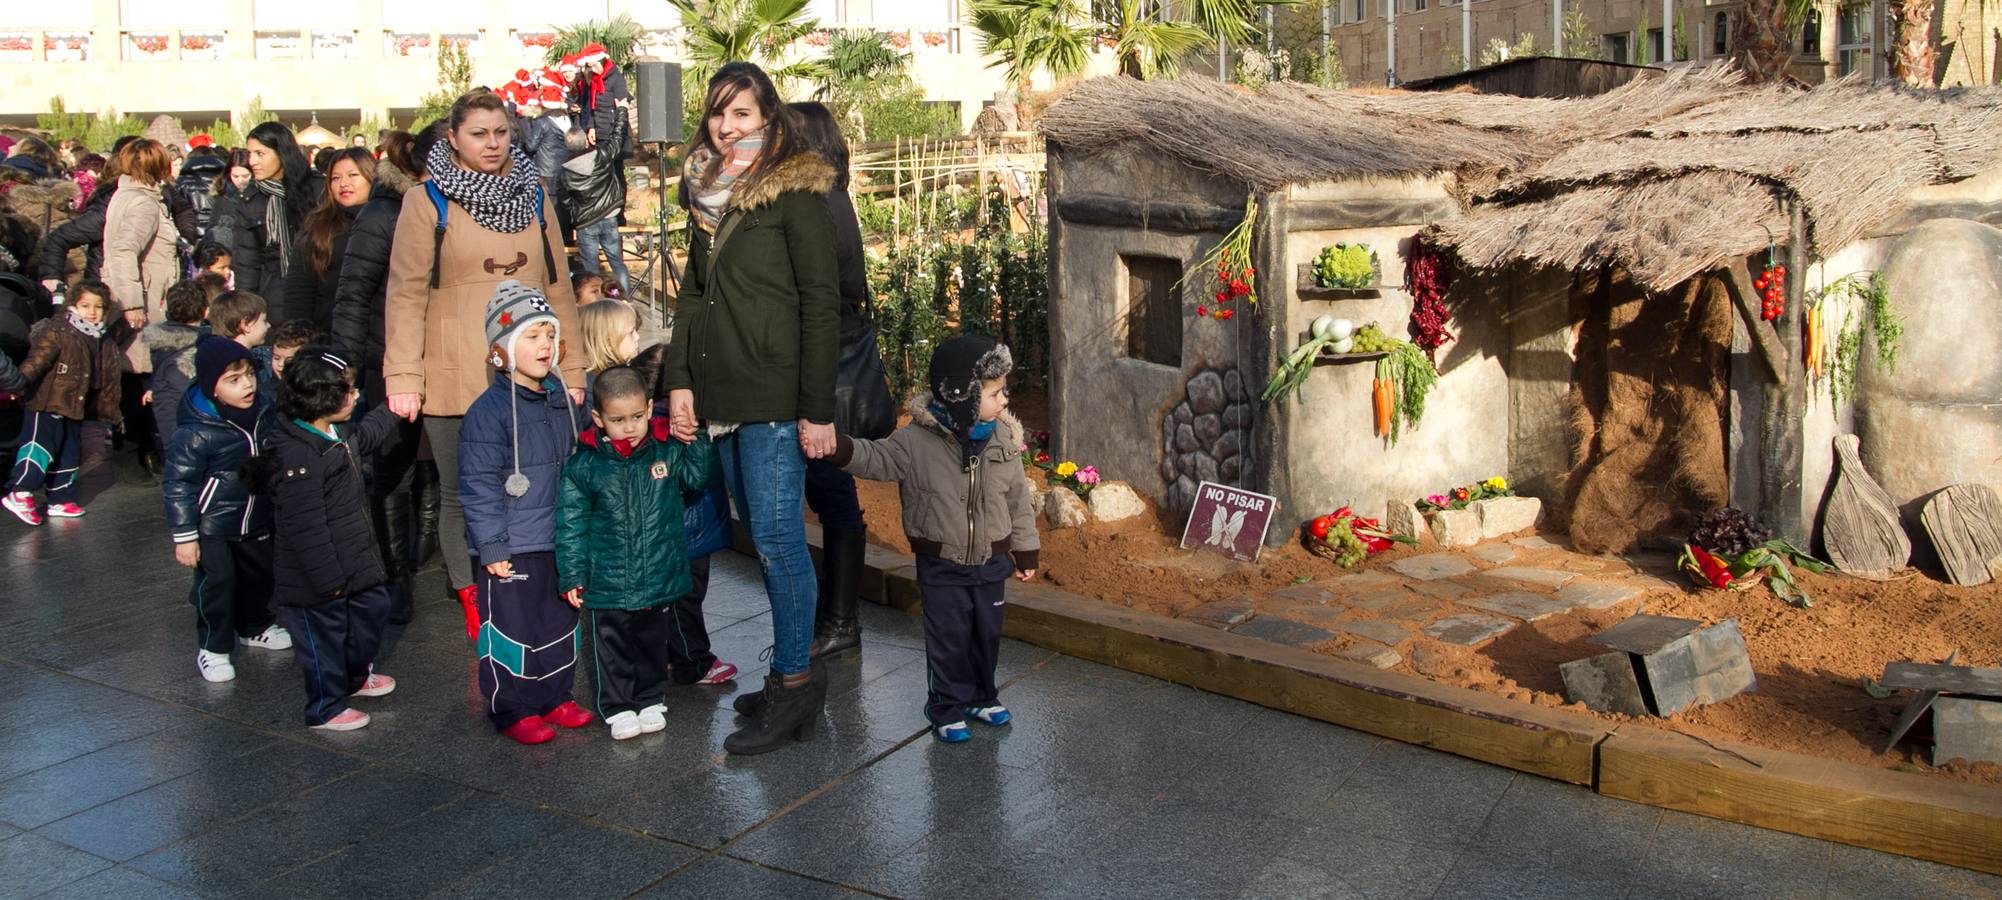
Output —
<point x="620" y="35"/>
<point x="759" y="31"/>
<point x="858" y="63"/>
<point x="1024" y="36"/>
<point x="1765" y="34"/>
<point x="1149" y="47"/>
<point x="1912" y="57"/>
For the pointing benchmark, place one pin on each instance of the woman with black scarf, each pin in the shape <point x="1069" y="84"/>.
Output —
<point x="258" y="225"/>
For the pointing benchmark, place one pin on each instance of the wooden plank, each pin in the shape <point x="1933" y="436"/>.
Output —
<point x="1946" y="679"/>
<point x="1956" y="824"/>
<point x="1108" y="211"/>
<point x="1861" y="529"/>
<point x="1526" y="738"/>
<point x="1965" y="524"/>
<point x="1739" y="285"/>
<point x="1336" y="215"/>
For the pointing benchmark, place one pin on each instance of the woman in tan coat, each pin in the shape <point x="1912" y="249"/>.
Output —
<point x="139" y="240"/>
<point x="499" y="224"/>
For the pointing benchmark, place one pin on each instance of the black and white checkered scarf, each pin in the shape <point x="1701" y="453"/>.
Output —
<point x="504" y="203"/>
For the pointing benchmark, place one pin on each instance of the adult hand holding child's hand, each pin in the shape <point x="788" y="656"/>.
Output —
<point x="681" y="414"/>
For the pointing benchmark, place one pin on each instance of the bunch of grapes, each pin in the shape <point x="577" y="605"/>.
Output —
<point x="1371" y="339"/>
<point x="1349" y="549"/>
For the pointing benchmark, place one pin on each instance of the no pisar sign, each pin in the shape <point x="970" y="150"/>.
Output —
<point x="1228" y="520"/>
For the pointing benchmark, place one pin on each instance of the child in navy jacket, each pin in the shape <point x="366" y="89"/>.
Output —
<point x="512" y="447"/>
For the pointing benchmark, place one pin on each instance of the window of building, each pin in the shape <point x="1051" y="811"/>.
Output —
<point x="163" y="14"/>
<point x="1720" y="43"/>
<point x="1810" y="33"/>
<point x="146" y="45"/>
<point x="1654" y="45"/>
<point x="1361" y="11"/>
<point x="1852" y="39"/>
<point x="1418" y="5"/>
<point x="1616" y="47"/>
<point x="1153" y="311"/>
<point x="279" y="45"/>
<point x="333" y="45"/>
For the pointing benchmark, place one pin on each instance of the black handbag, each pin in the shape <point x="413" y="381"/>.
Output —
<point x="862" y="404"/>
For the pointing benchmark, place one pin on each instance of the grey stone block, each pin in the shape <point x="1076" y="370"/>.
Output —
<point x="1468" y="629"/>
<point x="1206" y="393"/>
<point x="1597" y="594"/>
<point x="1645" y="634"/>
<point x="1183" y="415"/>
<point x="1185" y="439"/>
<point x="1306" y="593"/>
<point x="1379" y="631"/>
<point x="1377" y="601"/>
<point x="1605" y="683"/>
<point x="1681" y="665"/>
<point x="1456" y="527"/>
<point x="1285" y="631"/>
<point x="1507" y="515"/>
<point x="1966" y="728"/>
<point x="1371" y="655"/>
<point x="1223" y="614"/>
<point x="1233" y="386"/>
<point x="1493" y="553"/>
<point x="1520" y="604"/>
<point x="1542" y="577"/>
<point x="1432" y="566"/>
<point x="1415" y="609"/>
<point x="1536" y="542"/>
<point x="1208" y="428"/>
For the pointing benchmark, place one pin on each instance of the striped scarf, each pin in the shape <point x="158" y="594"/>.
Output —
<point x="277" y="223"/>
<point x="711" y="176"/>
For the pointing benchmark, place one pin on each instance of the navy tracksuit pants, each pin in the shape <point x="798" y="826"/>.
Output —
<point x="232" y="592"/>
<point x="528" y="640"/>
<point x="962" y="613"/>
<point x="335" y="644"/>
<point x="51" y="450"/>
<point x="688" y="654"/>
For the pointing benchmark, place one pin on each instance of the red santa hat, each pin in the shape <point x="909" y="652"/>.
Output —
<point x="200" y="140"/>
<point x="550" y="77"/>
<point x="569" y="65"/>
<point x="593" y="53"/>
<point x="551" y="97"/>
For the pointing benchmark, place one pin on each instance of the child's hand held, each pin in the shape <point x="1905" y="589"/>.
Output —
<point x="188" y="554"/>
<point x="1026" y="575"/>
<point x="575" y="597"/>
<point x="502" y="569"/>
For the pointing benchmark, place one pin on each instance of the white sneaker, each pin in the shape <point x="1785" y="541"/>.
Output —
<point x="272" y="638"/>
<point x="653" y="718"/>
<point x="376" y="686"/>
<point x="624" y="725"/>
<point x="215" y="667"/>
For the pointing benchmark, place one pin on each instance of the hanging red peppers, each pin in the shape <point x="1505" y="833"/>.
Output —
<point x="1427" y="274"/>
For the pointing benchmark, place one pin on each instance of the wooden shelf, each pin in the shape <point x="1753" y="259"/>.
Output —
<point x="1308" y="289"/>
<point x="1334" y="358"/>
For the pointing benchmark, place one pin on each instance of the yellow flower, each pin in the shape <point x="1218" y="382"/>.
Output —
<point x="1066" y="469"/>
<point x="1498" y="483"/>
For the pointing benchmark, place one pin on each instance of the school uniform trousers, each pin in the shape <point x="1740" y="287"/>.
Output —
<point x="962" y="624"/>
<point x="51" y="449"/>
<point x="335" y="643"/>
<point x="688" y="653"/>
<point x="528" y="638"/>
<point x="232" y="590"/>
<point x="629" y="658"/>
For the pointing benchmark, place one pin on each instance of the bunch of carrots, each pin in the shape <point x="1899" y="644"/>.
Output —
<point x="1816" y="361"/>
<point x="1383" y="397"/>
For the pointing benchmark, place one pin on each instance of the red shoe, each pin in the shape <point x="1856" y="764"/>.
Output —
<point x="530" y="731"/>
<point x="469" y="604"/>
<point x="569" y="715"/>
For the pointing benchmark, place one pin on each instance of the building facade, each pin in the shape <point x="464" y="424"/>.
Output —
<point x="342" y="60"/>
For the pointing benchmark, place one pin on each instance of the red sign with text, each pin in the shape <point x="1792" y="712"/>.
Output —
<point x="1228" y="520"/>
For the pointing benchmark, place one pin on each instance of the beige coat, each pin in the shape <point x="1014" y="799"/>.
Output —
<point x="435" y="340"/>
<point x="139" y="255"/>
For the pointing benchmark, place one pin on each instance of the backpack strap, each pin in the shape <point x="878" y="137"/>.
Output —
<point x="437" y="235"/>
<point x="542" y="228"/>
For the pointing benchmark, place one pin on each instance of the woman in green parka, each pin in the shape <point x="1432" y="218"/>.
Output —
<point x="620" y="550"/>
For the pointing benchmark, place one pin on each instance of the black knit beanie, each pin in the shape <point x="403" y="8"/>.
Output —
<point x="214" y="354"/>
<point x="958" y="367"/>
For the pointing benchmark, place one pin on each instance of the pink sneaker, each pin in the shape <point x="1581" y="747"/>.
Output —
<point x="23" y="507"/>
<point x="719" y="673"/>
<point x="376" y="686"/>
<point x="66" y="511"/>
<point x="349" y="720"/>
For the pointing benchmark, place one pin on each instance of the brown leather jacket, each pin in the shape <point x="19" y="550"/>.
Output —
<point x="75" y="375"/>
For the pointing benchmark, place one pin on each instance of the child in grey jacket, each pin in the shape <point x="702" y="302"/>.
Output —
<point x="967" y="514"/>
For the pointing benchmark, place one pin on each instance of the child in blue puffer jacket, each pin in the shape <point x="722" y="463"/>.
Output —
<point x="512" y="447"/>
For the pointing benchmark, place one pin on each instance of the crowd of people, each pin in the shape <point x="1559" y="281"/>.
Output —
<point x="337" y="368"/>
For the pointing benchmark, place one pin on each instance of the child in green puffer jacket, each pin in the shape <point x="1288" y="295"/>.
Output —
<point x="620" y="546"/>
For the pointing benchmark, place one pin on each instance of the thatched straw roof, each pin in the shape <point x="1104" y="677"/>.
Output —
<point x="167" y="130"/>
<point x="1666" y="177"/>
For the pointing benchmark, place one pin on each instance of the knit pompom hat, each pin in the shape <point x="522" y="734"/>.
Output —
<point x="514" y="307"/>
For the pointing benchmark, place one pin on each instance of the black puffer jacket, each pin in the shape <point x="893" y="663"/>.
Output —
<point x="325" y="542"/>
<point x="361" y="289"/>
<point x="240" y="226"/>
<point x="202" y="478"/>
<point x="306" y="294"/>
<point x="197" y="184"/>
<point x="592" y="191"/>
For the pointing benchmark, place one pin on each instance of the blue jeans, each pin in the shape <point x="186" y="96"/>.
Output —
<point x="766" y="476"/>
<point x="604" y="236"/>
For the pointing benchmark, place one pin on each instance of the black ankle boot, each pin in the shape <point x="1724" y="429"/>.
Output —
<point x="836" y="630"/>
<point x="788" y="714"/>
<point x="429" y="505"/>
<point x="395" y="522"/>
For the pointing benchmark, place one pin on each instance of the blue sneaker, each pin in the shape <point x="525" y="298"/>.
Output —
<point x="956" y="733"/>
<point x="992" y="715"/>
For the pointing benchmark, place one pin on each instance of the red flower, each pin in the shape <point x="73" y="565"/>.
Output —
<point x="1239" y="289"/>
<point x="1226" y="314"/>
<point x="1202" y="310"/>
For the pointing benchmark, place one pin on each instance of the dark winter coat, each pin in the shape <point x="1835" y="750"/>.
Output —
<point x="41" y="207"/>
<point x="240" y="226"/>
<point x="851" y="267"/>
<point x="542" y="140"/>
<point x="497" y="525"/>
<point x="11" y="379"/>
<point x="325" y="543"/>
<point x="952" y="510"/>
<point x="309" y="295"/>
<point x="619" y="534"/>
<point x="86" y="230"/>
<point x="75" y="375"/>
<point x="361" y="283"/>
<point x="592" y="191"/>
<point x="202" y="480"/>
<point x="172" y="347"/>
<point x="197" y="184"/>
<point x="756" y="333"/>
<point x="601" y="110"/>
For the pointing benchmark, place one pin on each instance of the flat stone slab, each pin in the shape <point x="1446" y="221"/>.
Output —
<point x="1543" y="577"/>
<point x="1444" y="590"/>
<point x="1306" y="593"/>
<point x="1284" y="631"/>
<point x="1220" y="614"/>
<point x="1645" y="634"/>
<point x="1433" y="566"/>
<point x="1417" y="609"/>
<point x="1520" y="604"/>
<point x="1536" y="542"/>
<point x="1597" y="594"/>
<point x="1980" y="682"/>
<point x="1364" y="582"/>
<point x="1371" y="655"/>
<point x="1493" y="553"/>
<point x="1377" y="601"/>
<point x="1378" y="631"/>
<point x="1468" y="629"/>
<point x="1967" y="728"/>
<point x="1324" y="616"/>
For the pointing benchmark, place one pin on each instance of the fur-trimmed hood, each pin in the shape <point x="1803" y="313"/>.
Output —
<point x="172" y="338"/>
<point x="49" y="202"/>
<point x="805" y="171"/>
<point x="387" y="175"/>
<point x="1009" y="428"/>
